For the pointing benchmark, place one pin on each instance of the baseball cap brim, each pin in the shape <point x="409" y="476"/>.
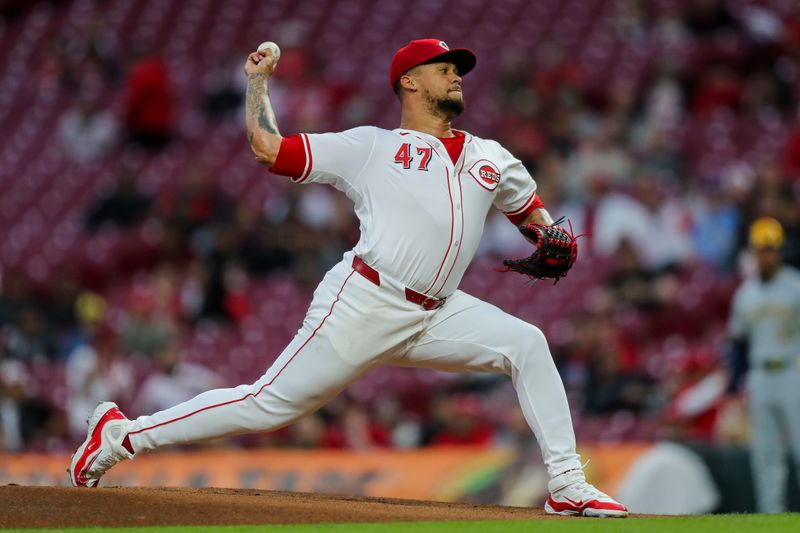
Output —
<point x="407" y="58"/>
<point x="463" y="58"/>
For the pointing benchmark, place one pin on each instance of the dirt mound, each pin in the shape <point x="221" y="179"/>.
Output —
<point x="60" y="507"/>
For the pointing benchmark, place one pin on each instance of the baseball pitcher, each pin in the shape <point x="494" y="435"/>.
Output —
<point x="422" y="193"/>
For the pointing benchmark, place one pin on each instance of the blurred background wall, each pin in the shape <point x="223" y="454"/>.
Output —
<point x="145" y="257"/>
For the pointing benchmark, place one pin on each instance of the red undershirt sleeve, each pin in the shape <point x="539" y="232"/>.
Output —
<point x="292" y="158"/>
<point x="530" y="206"/>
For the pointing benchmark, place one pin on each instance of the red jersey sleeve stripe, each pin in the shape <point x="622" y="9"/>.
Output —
<point x="292" y="160"/>
<point x="533" y="203"/>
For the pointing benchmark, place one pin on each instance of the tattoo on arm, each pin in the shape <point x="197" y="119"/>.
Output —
<point x="259" y="108"/>
<point x="539" y="216"/>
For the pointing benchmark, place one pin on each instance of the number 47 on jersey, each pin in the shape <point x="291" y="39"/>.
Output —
<point x="404" y="157"/>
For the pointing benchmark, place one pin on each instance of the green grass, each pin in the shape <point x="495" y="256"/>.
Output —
<point x="699" y="524"/>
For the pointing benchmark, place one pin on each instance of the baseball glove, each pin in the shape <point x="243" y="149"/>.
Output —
<point x="556" y="252"/>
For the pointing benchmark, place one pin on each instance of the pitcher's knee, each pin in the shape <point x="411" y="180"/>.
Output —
<point x="530" y="347"/>
<point x="273" y="409"/>
<point x="536" y="339"/>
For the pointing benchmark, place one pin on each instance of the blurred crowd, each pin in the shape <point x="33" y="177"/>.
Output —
<point x="665" y="224"/>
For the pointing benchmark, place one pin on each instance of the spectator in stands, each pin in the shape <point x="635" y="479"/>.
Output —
<point x="307" y="433"/>
<point x="102" y="48"/>
<point x="573" y="355"/>
<point x="59" y="309"/>
<point x="720" y="87"/>
<point x="149" y="103"/>
<point x="633" y="285"/>
<point x="94" y="372"/>
<point x="709" y="18"/>
<point x="665" y="240"/>
<point x="669" y="29"/>
<point x="598" y="157"/>
<point x="404" y="425"/>
<point x="165" y="286"/>
<point x="144" y="331"/>
<point x="608" y="390"/>
<point x="199" y="207"/>
<point x="326" y="225"/>
<point x="15" y="294"/>
<point x="89" y="54"/>
<point x="90" y="314"/>
<point x="765" y="92"/>
<point x="303" y="97"/>
<point x="56" y="69"/>
<point x="557" y="74"/>
<point x="696" y="389"/>
<point x="716" y="223"/>
<point x="792" y="227"/>
<point x="514" y="93"/>
<point x="790" y="160"/>
<point x="663" y="100"/>
<point x="225" y="286"/>
<point x="223" y="91"/>
<point x="122" y="207"/>
<point x="357" y="430"/>
<point x="86" y="133"/>
<point x="610" y="217"/>
<point x="237" y="299"/>
<point x="462" y="423"/>
<point x="614" y="381"/>
<point x="659" y="155"/>
<point x="632" y="20"/>
<point x="174" y="380"/>
<point x="266" y="248"/>
<point x="29" y="337"/>
<point x="190" y="290"/>
<point x="24" y="417"/>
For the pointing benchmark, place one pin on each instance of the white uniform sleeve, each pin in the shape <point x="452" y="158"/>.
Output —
<point x="336" y="159"/>
<point x="516" y="192"/>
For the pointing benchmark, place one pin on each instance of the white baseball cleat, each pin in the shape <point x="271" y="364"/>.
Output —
<point x="571" y="495"/>
<point x="102" y="448"/>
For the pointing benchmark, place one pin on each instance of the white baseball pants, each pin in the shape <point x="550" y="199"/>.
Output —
<point x="353" y="325"/>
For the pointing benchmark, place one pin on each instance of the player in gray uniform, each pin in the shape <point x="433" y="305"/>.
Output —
<point x="765" y="334"/>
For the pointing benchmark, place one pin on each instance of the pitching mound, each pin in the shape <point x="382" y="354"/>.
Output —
<point x="59" y="507"/>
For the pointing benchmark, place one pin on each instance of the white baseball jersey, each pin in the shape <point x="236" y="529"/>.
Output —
<point x="421" y="215"/>
<point x="767" y="314"/>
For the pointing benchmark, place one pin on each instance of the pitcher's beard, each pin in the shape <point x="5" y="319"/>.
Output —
<point x="447" y="107"/>
<point x="451" y="107"/>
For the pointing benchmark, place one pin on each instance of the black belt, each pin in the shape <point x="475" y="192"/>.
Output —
<point x="774" y="365"/>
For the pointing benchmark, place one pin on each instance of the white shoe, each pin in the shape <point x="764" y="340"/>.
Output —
<point x="571" y="495"/>
<point x="102" y="448"/>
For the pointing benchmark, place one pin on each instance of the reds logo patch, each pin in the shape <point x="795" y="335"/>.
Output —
<point x="486" y="174"/>
<point x="444" y="45"/>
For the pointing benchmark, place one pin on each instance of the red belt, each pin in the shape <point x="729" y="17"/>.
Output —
<point x="426" y="302"/>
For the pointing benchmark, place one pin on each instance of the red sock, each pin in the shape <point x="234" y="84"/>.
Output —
<point x="127" y="443"/>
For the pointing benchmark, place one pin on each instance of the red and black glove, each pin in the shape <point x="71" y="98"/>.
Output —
<point x="556" y="252"/>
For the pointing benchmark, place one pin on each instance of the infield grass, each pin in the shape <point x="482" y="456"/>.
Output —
<point x="789" y="522"/>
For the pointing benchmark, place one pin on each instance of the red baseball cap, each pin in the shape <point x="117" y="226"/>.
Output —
<point x="424" y="50"/>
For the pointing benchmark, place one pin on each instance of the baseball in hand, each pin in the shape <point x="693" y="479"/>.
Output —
<point x="272" y="47"/>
